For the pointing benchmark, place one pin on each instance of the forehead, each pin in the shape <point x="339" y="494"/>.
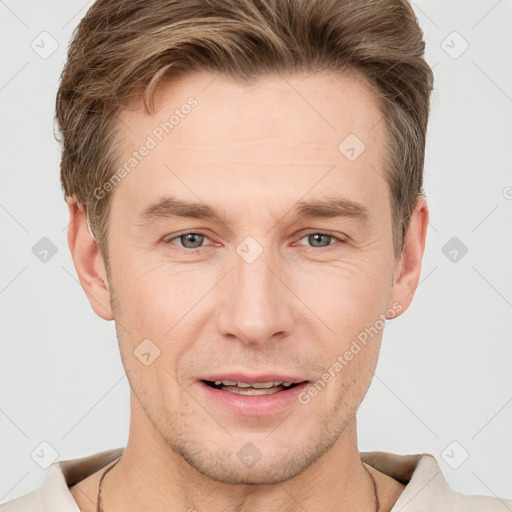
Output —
<point x="291" y="135"/>
<point x="316" y="109"/>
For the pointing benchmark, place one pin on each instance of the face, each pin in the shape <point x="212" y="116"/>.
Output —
<point x="251" y="242"/>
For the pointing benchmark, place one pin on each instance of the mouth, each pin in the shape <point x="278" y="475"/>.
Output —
<point x="252" y="395"/>
<point x="251" y="389"/>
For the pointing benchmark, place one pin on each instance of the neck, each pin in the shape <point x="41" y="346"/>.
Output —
<point x="151" y="476"/>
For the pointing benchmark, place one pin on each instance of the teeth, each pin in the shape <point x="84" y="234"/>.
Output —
<point x="265" y="385"/>
<point x="251" y="391"/>
<point x="255" y="385"/>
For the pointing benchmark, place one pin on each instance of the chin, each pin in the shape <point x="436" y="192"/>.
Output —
<point x="232" y="471"/>
<point x="276" y="462"/>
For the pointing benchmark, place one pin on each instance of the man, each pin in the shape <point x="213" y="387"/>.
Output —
<point x="244" y="182"/>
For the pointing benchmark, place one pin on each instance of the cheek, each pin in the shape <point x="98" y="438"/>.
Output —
<point x="349" y="299"/>
<point x="152" y="293"/>
<point x="351" y="292"/>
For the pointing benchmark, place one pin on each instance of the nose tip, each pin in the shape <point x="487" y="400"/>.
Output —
<point x="255" y="306"/>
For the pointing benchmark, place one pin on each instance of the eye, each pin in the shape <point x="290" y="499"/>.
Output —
<point x="195" y="240"/>
<point x="191" y="240"/>
<point x="320" y="239"/>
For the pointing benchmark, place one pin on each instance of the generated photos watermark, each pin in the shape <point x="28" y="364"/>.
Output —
<point x="344" y="359"/>
<point x="151" y="142"/>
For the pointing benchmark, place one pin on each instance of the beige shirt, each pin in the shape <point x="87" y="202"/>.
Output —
<point x="426" y="489"/>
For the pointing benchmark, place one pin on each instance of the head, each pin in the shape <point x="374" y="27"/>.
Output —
<point x="298" y="131"/>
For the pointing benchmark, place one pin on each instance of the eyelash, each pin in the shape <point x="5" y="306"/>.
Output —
<point x="334" y="237"/>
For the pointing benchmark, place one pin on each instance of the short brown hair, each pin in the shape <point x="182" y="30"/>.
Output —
<point x="121" y="51"/>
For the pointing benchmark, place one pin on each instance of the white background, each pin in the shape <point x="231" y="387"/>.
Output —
<point x="444" y="372"/>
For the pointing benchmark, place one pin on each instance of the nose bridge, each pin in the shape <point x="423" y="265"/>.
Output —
<point x="255" y="305"/>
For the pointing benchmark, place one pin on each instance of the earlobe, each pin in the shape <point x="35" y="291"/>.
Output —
<point x="88" y="261"/>
<point x="408" y="269"/>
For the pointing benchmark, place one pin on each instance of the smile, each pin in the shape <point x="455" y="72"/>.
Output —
<point x="242" y="398"/>
<point x="245" y="388"/>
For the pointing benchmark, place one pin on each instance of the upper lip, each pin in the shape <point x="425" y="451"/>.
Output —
<point x="250" y="379"/>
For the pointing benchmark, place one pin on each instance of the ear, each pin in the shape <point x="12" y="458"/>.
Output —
<point x="408" y="268"/>
<point x="88" y="261"/>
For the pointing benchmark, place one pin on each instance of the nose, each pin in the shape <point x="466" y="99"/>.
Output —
<point x="256" y="306"/>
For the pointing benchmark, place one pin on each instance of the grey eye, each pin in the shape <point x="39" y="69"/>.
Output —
<point x="319" y="239"/>
<point x="191" y="240"/>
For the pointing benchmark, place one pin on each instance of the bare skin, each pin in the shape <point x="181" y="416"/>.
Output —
<point x="252" y="152"/>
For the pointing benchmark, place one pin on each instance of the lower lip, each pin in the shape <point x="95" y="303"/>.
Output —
<point x="254" y="405"/>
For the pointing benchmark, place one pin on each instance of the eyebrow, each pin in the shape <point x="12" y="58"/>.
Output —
<point x="327" y="208"/>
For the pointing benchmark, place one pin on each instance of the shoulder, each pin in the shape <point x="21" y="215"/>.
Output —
<point x="429" y="490"/>
<point x="426" y="488"/>
<point x="54" y="494"/>
<point x="51" y="495"/>
<point x="30" y="502"/>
